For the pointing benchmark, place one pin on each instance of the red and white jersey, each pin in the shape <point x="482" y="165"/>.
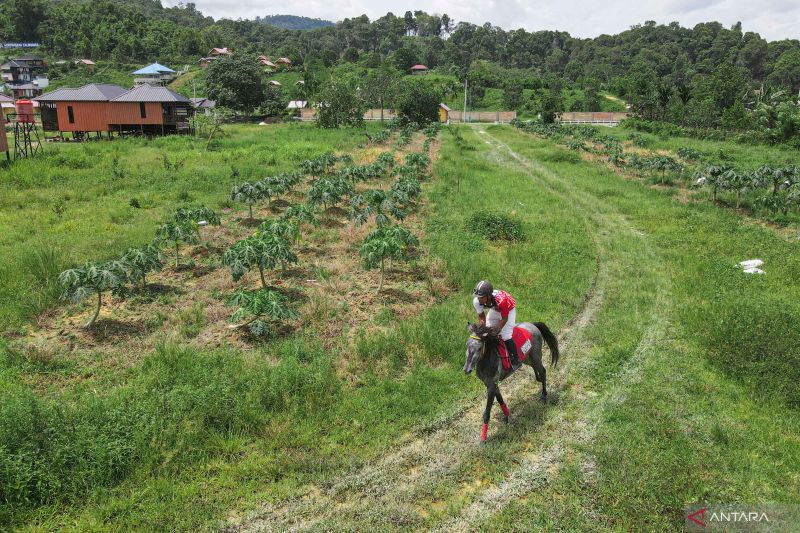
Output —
<point x="503" y="301"/>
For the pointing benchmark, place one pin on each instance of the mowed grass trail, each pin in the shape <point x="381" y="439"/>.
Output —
<point x="690" y="375"/>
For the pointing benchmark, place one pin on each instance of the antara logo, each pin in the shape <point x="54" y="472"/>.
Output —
<point x="698" y="517"/>
<point x="738" y="516"/>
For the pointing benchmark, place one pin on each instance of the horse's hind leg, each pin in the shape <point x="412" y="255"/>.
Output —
<point x="491" y="390"/>
<point x="503" y="405"/>
<point x="541" y="375"/>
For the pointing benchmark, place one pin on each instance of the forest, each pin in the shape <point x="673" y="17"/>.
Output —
<point x="705" y="77"/>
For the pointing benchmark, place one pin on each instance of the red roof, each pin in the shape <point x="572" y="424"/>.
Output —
<point x="419" y="67"/>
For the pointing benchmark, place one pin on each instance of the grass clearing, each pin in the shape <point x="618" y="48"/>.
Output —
<point x="668" y="394"/>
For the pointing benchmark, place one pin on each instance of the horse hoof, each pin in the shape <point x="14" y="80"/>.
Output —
<point x="505" y="419"/>
<point x="543" y="397"/>
<point x="484" y="430"/>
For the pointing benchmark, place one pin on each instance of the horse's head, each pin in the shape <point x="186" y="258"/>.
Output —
<point x="476" y="346"/>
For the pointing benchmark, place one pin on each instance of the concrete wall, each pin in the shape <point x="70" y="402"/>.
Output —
<point x="592" y="118"/>
<point x="482" y="116"/>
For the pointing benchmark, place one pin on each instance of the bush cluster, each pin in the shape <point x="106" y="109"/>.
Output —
<point x="495" y="226"/>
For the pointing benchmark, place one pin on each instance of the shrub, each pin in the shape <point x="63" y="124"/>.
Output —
<point x="495" y="226"/>
<point x="419" y="103"/>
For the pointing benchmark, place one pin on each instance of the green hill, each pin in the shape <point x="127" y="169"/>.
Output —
<point x="294" y="22"/>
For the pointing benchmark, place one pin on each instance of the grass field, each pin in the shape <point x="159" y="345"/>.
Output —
<point x="677" y="382"/>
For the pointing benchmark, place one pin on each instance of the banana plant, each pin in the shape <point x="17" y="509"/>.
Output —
<point x="90" y="279"/>
<point x="139" y="262"/>
<point x="386" y="242"/>
<point x="176" y="233"/>
<point x="254" y="306"/>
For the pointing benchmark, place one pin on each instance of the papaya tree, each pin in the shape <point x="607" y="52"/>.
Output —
<point x="302" y="214"/>
<point x="377" y="203"/>
<point x="248" y="193"/>
<point x="283" y="227"/>
<point x="270" y="188"/>
<point x="319" y="165"/>
<point x="711" y="176"/>
<point x="405" y="190"/>
<point x="140" y="261"/>
<point x="329" y="191"/>
<point x="90" y="279"/>
<point x="386" y="243"/>
<point x="255" y="306"/>
<point x="201" y="216"/>
<point x="736" y="181"/>
<point x="263" y="251"/>
<point x="197" y="215"/>
<point x="248" y="254"/>
<point x="280" y="249"/>
<point x="176" y="233"/>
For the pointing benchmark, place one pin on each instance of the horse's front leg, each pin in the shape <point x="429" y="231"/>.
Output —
<point x="491" y="390"/>
<point x="503" y="405"/>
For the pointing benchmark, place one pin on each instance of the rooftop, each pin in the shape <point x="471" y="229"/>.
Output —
<point x="155" y="68"/>
<point x="94" y="92"/>
<point x="151" y="93"/>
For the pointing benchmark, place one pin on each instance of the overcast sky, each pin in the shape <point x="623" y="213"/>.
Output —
<point x="773" y="19"/>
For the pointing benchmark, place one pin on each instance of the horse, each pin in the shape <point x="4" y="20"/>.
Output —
<point x="482" y="354"/>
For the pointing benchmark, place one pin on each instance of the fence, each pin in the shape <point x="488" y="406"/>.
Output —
<point x="482" y="116"/>
<point x="592" y="118"/>
<point x="310" y="113"/>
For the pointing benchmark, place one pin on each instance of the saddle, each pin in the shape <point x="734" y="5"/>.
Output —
<point x="524" y="342"/>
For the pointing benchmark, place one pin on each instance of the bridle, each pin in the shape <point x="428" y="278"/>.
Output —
<point x="483" y="345"/>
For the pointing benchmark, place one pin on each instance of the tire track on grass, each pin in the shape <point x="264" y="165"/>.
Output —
<point x="386" y="494"/>
<point x="532" y="473"/>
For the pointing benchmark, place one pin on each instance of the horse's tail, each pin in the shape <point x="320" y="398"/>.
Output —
<point x="552" y="341"/>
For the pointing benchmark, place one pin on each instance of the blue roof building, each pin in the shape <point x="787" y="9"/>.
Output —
<point x="154" y="74"/>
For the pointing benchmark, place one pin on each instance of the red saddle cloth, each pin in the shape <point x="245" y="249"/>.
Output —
<point x="524" y="341"/>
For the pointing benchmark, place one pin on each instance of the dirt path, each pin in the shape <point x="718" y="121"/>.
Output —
<point x="435" y="479"/>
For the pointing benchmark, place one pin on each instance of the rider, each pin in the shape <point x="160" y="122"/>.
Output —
<point x="497" y="309"/>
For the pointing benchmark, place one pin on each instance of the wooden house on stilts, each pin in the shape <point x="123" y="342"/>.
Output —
<point x="98" y="108"/>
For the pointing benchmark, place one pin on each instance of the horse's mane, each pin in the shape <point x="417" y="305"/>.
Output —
<point x="486" y="332"/>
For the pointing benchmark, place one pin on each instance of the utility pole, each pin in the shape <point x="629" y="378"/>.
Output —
<point x="464" y="118"/>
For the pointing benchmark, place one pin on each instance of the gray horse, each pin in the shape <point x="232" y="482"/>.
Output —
<point x="482" y="354"/>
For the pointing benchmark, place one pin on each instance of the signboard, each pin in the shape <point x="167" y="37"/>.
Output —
<point x="19" y="45"/>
